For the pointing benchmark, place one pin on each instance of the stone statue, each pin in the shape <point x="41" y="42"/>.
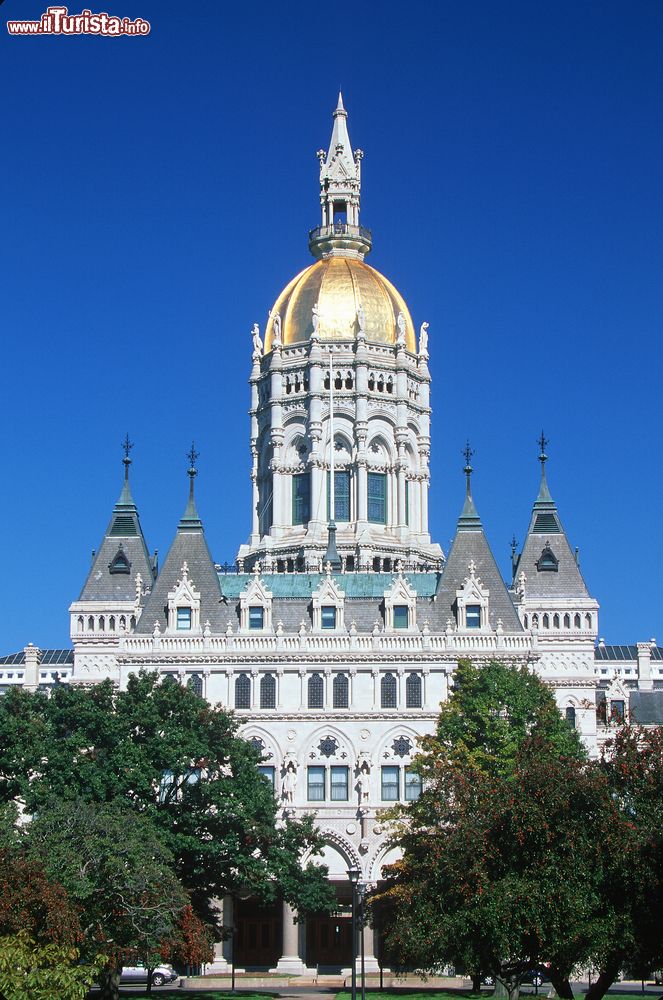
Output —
<point x="276" y="330"/>
<point x="362" y="784"/>
<point x="361" y="321"/>
<point x="289" y="783"/>
<point x="423" y="340"/>
<point x="315" y="318"/>
<point x="400" y="323"/>
<point x="257" y="341"/>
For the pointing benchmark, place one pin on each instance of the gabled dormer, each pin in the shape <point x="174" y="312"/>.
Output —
<point x="255" y="604"/>
<point x="472" y="602"/>
<point x="400" y="604"/>
<point x="184" y="605"/>
<point x="328" y="604"/>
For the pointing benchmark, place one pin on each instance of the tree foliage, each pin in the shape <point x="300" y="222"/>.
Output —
<point x="36" y="971"/>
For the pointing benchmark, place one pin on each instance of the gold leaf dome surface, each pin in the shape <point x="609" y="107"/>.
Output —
<point x="340" y="285"/>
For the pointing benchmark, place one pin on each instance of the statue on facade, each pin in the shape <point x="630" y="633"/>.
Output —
<point x="257" y="341"/>
<point x="289" y="783"/>
<point x="362" y="785"/>
<point x="400" y="323"/>
<point x="361" y="321"/>
<point x="276" y="330"/>
<point x="423" y="340"/>
<point x="315" y="319"/>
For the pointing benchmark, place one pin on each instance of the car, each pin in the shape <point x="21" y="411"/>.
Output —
<point x="161" y="974"/>
<point x="533" y="976"/>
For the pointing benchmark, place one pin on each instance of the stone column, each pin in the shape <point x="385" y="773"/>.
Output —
<point x="370" y="961"/>
<point x="223" y="949"/>
<point x="290" y="961"/>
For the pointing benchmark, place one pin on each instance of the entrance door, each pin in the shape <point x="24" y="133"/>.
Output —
<point x="258" y="936"/>
<point x="329" y="941"/>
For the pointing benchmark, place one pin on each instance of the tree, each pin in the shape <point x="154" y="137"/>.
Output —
<point x="33" y="971"/>
<point x="114" y="866"/>
<point x="176" y="760"/>
<point x="506" y="851"/>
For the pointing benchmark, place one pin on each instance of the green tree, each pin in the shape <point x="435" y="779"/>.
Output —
<point x="176" y="760"/>
<point x="507" y="850"/>
<point x="33" y="971"/>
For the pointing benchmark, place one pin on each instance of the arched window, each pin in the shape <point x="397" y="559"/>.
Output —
<point x="348" y="380"/>
<point x="535" y="621"/>
<point x="413" y="691"/>
<point x="268" y="691"/>
<point x="576" y="621"/>
<point x="195" y="682"/>
<point x="123" y="622"/>
<point x="555" y="621"/>
<point x="588" y="620"/>
<point x="371" y="381"/>
<point x="338" y="381"/>
<point x="102" y="623"/>
<point x="570" y="715"/>
<point x="388" y="689"/>
<point x="526" y="622"/>
<point x="81" y="623"/>
<point x="546" y="621"/>
<point x="90" y="624"/>
<point x="381" y="383"/>
<point x="243" y="691"/>
<point x="132" y="622"/>
<point x="341" y="691"/>
<point x="316" y="691"/>
<point x="567" y="621"/>
<point x="111" y="623"/>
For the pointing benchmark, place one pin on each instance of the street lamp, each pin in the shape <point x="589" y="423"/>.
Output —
<point x="353" y="875"/>
<point x="361" y="891"/>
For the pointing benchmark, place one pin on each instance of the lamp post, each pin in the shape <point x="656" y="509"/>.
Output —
<point x="353" y="875"/>
<point x="361" y="888"/>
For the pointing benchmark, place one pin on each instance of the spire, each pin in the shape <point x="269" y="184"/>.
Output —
<point x="340" y="192"/>
<point x="544" y="515"/>
<point x="469" y="519"/>
<point x="544" y="492"/>
<point x="125" y="513"/>
<point x="190" y="520"/>
<point x="125" y="496"/>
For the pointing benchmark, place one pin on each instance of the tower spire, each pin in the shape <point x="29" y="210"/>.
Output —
<point x="544" y="492"/>
<point x="340" y="234"/>
<point x="190" y="520"/>
<point x="127" y="445"/>
<point x="469" y="519"/>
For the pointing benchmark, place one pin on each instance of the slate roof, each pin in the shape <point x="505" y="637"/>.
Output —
<point x="123" y="539"/>
<point x="189" y="546"/>
<point x="59" y="657"/>
<point x="646" y="707"/>
<point x="603" y="652"/>
<point x="470" y="543"/>
<point x="546" y="532"/>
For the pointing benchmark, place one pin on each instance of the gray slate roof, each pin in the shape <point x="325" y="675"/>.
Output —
<point x="123" y="538"/>
<point x="646" y="707"/>
<point x="546" y="532"/>
<point x="190" y="547"/>
<point x="604" y="652"/>
<point x="470" y="543"/>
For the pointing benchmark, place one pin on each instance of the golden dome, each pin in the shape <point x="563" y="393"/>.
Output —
<point x="340" y="285"/>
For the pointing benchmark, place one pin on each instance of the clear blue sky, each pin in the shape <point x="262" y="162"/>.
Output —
<point x="157" y="194"/>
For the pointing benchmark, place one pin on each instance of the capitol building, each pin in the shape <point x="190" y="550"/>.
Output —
<point x="336" y="635"/>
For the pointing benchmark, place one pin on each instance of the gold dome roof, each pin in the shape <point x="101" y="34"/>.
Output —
<point x="339" y="285"/>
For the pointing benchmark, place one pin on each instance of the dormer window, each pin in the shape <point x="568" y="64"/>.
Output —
<point x="328" y="616"/>
<point x="547" y="561"/>
<point x="256" y="617"/>
<point x="401" y="616"/>
<point x="473" y="616"/>
<point x="119" y="563"/>
<point x="184" y="619"/>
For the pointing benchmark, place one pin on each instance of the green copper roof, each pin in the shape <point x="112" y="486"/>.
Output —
<point x="355" y="585"/>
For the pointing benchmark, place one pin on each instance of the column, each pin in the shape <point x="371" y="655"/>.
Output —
<point x="370" y="961"/>
<point x="223" y="949"/>
<point x="290" y="961"/>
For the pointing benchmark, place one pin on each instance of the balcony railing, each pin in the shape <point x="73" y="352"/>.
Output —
<point x="340" y="229"/>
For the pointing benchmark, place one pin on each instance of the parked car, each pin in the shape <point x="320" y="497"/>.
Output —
<point x="534" y="977"/>
<point x="138" y="974"/>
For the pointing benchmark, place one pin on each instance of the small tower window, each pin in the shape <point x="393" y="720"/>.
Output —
<point x="195" y="683"/>
<point x="377" y="497"/>
<point x="547" y="561"/>
<point x="576" y="621"/>
<point x="341" y="691"/>
<point x="268" y="691"/>
<point x="555" y="621"/>
<point x="388" y="690"/>
<point x="301" y="498"/>
<point x="184" y="619"/>
<point x="567" y="621"/>
<point x="570" y="716"/>
<point x="243" y="691"/>
<point x="546" y="621"/>
<point x="316" y="691"/>
<point x="473" y="616"/>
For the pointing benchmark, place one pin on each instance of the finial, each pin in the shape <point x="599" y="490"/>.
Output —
<point x="468" y="453"/>
<point x="127" y="445"/>
<point x="543" y="458"/>
<point x="193" y="457"/>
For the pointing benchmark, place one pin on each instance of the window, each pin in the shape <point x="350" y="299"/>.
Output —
<point x="617" y="711"/>
<point x="413" y="691"/>
<point x="401" y="616"/>
<point x="243" y="691"/>
<point x="184" y="618"/>
<point x="268" y="691"/>
<point x="195" y="682"/>
<point x="567" y="621"/>
<point x="388" y="691"/>
<point x="570" y="715"/>
<point x="256" y="617"/>
<point x="377" y="497"/>
<point x="316" y="691"/>
<point x="576" y="621"/>
<point x="473" y="616"/>
<point x="339" y="784"/>
<point x="301" y="498"/>
<point x="328" y="616"/>
<point x="341" y="691"/>
<point x="412" y="785"/>
<point x="547" y="561"/>
<point x="267" y="772"/>
<point x="546" y="621"/>
<point x="390" y="784"/>
<point x="341" y="496"/>
<point x="315" y="780"/>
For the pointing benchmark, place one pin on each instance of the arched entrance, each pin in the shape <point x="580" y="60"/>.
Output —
<point x="329" y="939"/>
